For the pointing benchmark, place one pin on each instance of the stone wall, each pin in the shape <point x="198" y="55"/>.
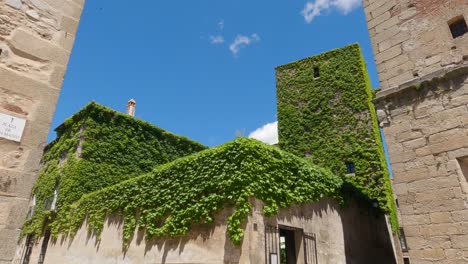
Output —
<point x="351" y="234"/>
<point x="427" y="133"/>
<point x="411" y="38"/>
<point x="423" y="109"/>
<point x="36" y="38"/>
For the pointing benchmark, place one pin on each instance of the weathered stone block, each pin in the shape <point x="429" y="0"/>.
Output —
<point x="433" y="195"/>
<point x="409" y="220"/>
<point x="406" y="209"/>
<point x="412" y="231"/>
<point x="72" y="9"/>
<point x="402" y="157"/>
<point x="387" y="5"/>
<point x="379" y="20"/>
<point x="27" y="45"/>
<point x="460" y="241"/>
<point x="17" y="184"/>
<point x="446" y="135"/>
<point x="409" y="135"/>
<point x="388" y="54"/>
<point x="441" y="217"/>
<point x="460" y="216"/>
<point x="14" y="3"/>
<point x="429" y="254"/>
<point x="57" y="76"/>
<point x="18" y="211"/>
<point x="454" y="143"/>
<point x="415" y="143"/>
<point x="400" y="188"/>
<point x="412" y="174"/>
<point x="434" y="183"/>
<point x="439" y="206"/>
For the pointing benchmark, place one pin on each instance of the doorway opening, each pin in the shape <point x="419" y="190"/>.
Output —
<point x="290" y="242"/>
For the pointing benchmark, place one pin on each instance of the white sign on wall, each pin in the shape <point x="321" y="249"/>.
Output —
<point x="11" y="127"/>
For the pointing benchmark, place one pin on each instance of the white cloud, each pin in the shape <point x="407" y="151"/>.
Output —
<point x="313" y="9"/>
<point x="221" y="24"/>
<point x="267" y="133"/>
<point x="217" y="39"/>
<point x="242" y="41"/>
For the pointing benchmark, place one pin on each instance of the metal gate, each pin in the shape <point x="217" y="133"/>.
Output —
<point x="310" y="248"/>
<point x="271" y="244"/>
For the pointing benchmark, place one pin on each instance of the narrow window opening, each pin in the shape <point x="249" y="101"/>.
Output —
<point x="1" y="51"/>
<point x="53" y="206"/>
<point x="406" y="260"/>
<point x="45" y="243"/>
<point x="32" y="205"/>
<point x="290" y="241"/>
<point x="350" y="168"/>
<point x="458" y="27"/>
<point x="316" y="72"/>
<point x="404" y="245"/>
<point x="463" y="162"/>
<point x="397" y="204"/>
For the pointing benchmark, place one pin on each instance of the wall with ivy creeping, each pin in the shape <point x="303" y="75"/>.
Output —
<point x="325" y="113"/>
<point x="174" y="196"/>
<point x="95" y="148"/>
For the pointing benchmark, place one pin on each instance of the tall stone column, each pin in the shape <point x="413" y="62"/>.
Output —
<point x="36" y="38"/>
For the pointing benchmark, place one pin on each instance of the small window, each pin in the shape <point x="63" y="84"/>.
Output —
<point x="350" y="169"/>
<point x="404" y="245"/>
<point x="406" y="260"/>
<point x="316" y="72"/>
<point x="458" y="27"/>
<point x="53" y="206"/>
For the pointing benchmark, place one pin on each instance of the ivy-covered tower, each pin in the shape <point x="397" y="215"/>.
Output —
<point x="325" y="113"/>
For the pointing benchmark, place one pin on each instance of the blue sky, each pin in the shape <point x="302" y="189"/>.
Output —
<point x="202" y="69"/>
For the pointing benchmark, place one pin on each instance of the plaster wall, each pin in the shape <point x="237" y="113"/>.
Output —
<point x="36" y="38"/>
<point x="352" y="234"/>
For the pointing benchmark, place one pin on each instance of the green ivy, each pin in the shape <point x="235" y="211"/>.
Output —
<point x="102" y="161"/>
<point x="96" y="148"/>
<point x="190" y="190"/>
<point x="331" y="120"/>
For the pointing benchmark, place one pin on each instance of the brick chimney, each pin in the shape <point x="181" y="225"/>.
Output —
<point x="131" y="105"/>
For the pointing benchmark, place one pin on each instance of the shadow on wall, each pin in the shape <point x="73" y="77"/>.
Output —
<point x="367" y="236"/>
<point x="362" y="230"/>
<point x="204" y="242"/>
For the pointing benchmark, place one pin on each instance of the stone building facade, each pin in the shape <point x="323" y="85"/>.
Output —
<point x="36" y="38"/>
<point x="421" y="51"/>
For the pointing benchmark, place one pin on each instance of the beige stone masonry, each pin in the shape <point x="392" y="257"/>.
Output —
<point x="417" y="31"/>
<point x="36" y="38"/>
<point x="424" y="142"/>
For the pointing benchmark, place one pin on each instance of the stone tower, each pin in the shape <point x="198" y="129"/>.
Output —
<point x="36" y="38"/>
<point x="421" y="51"/>
<point x="325" y="113"/>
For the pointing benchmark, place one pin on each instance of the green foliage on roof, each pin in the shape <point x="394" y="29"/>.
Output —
<point x="96" y="148"/>
<point x="330" y="119"/>
<point x="190" y="190"/>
